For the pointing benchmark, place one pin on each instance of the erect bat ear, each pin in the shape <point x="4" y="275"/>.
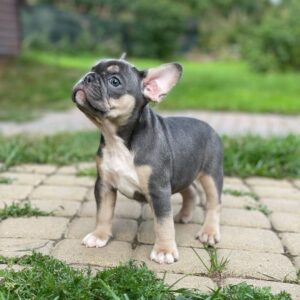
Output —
<point x="159" y="81"/>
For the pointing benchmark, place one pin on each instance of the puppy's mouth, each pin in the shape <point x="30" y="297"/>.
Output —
<point x="80" y="97"/>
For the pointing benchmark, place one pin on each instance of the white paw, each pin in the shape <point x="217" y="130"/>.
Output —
<point x="164" y="257"/>
<point x="91" y="241"/>
<point x="209" y="235"/>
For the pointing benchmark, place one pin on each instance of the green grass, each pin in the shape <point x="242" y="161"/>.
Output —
<point x="260" y="207"/>
<point x="244" y="156"/>
<point x="5" y="180"/>
<point x="216" y="266"/>
<point x="238" y="193"/>
<point x="29" y="88"/>
<point x="90" y="172"/>
<point x="275" y="157"/>
<point x="44" y="277"/>
<point x="37" y="81"/>
<point x="21" y="209"/>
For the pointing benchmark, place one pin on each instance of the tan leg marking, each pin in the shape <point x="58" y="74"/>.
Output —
<point x="210" y="231"/>
<point x="98" y="162"/>
<point x="165" y="249"/>
<point x="144" y="172"/>
<point x="100" y="236"/>
<point x="189" y="199"/>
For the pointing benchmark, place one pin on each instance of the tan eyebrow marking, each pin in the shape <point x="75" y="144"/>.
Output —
<point x="113" y="69"/>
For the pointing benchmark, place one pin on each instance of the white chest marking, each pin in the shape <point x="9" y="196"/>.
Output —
<point x="118" y="168"/>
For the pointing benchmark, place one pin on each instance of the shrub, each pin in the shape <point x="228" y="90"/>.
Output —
<point x="274" y="44"/>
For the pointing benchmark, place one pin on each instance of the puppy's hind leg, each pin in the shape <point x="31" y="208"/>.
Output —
<point x="189" y="200"/>
<point x="210" y="231"/>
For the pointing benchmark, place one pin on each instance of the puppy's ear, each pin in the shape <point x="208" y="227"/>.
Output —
<point x="157" y="82"/>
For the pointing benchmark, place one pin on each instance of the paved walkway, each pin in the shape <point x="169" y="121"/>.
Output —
<point x="229" y="123"/>
<point x="262" y="250"/>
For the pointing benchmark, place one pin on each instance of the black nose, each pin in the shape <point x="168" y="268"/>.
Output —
<point x="90" y="77"/>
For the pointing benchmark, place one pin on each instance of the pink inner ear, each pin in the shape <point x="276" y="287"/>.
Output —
<point x="160" y="80"/>
<point x="152" y="90"/>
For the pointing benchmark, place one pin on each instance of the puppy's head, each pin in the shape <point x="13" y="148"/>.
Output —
<point x="115" y="89"/>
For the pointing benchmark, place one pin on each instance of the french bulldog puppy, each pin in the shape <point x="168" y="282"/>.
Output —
<point x="147" y="157"/>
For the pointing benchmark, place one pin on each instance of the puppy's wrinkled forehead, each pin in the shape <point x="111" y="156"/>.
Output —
<point x="114" y="66"/>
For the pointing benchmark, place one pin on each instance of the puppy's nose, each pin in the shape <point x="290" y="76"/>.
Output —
<point x="90" y="77"/>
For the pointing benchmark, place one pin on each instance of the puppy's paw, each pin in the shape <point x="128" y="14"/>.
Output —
<point x="183" y="218"/>
<point x="164" y="254"/>
<point x="91" y="240"/>
<point x="209" y="235"/>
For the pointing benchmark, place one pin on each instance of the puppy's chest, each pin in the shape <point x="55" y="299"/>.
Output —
<point x="118" y="169"/>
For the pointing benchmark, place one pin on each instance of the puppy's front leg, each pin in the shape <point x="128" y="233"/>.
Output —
<point x="165" y="249"/>
<point x="106" y="201"/>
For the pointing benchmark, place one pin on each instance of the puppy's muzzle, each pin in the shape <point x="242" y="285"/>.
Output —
<point x="78" y="94"/>
<point x="89" y="95"/>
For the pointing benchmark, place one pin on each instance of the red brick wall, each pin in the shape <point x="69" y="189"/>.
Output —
<point x="9" y="28"/>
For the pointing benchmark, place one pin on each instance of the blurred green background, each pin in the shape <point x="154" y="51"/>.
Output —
<point x="238" y="55"/>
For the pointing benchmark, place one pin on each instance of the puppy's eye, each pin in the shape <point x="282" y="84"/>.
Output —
<point x="114" y="81"/>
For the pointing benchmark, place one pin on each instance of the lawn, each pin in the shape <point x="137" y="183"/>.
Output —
<point x="244" y="156"/>
<point x="36" y="82"/>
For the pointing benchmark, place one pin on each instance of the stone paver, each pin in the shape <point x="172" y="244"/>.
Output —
<point x="32" y="227"/>
<point x="270" y="182"/>
<point x="242" y="217"/>
<point x="125" y="208"/>
<point x="10" y="247"/>
<point x="276" y="287"/>
<point x="236" y="187"/>
<point x="54" y="192"/>
<point x="238" y="202"/>
<point x="274" y="192"/>
<point x="231" y="237"/>
<point x="32" y="168"/>
<point x="281" y="205"/>
<point x="71" y="251"/>
<point x="223" y="122"/>
<point x="57" y="207"/>
<point x="258" y="265"/>
<point x="286" y="222"/>
<point x="253" y="242"/>
<point x="123" y="229"/>
<point x="65" y="180"/>
<point x="250" y="239"/>
<point x="188" y="262"/>
<point x="292" y="242"/>
<point x="232" y="180"/>
<point x="297" y="262"/>
<point x="297" y="183"/>
<point x="72" y="170"/>
<point x="23" y="178"/>
<point x="204" y="284"/>
<point x="14" y="192"/>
